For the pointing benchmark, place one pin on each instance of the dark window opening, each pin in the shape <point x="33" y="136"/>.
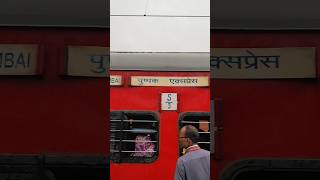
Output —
<point x="200" y="120"/>
<point x="134" y="137"/>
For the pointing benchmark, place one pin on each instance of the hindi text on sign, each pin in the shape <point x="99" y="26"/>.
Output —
<point x="197" y="81"/>
<point x="263" y="63"/>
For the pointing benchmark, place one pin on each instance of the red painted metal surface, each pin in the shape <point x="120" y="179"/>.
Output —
<point x="191" y="99"/>
<point x="51" y="113"/>
<point x="267" y="118"/>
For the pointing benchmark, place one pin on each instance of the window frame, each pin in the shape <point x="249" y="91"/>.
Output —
<point x="196" y="114"/>
<point x="139" y="160"/>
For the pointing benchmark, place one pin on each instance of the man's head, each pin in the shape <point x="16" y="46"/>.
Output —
<point x="188" y="136"/>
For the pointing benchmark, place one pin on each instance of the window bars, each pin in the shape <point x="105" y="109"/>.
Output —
<point x="134" y="137"/>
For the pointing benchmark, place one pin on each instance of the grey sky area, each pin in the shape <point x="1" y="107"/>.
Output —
<point x="168" y="26"/>
<point x="170" y="35"/>
<point x="161" y="7"/>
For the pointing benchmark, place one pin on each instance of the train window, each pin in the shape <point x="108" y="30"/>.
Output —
<point x="200" y="120"/>
<point x="134" y="136"/>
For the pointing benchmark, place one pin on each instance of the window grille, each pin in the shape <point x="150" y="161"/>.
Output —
<point x="200" y="120"/>
<point x="134" y="137"/>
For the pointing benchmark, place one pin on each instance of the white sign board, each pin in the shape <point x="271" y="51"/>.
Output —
<point x="18" y="59"/>
<point x="263" y="63"/>
<point x="195" y="81"/>
<point x="90" y="61"/>
<point x="115" y="80"/>
<point x="169" y="101"/>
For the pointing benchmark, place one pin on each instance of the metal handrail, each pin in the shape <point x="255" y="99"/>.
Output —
<point x="207" y="142"/>
<point x="127" y="140"/>
<point x="136" y="120"/>
<point x="196" y="122"/>
<point x="131" y="151"/>
<point x="117" y="130"/>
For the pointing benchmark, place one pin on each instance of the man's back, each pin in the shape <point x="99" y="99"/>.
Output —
<point x="194" y="165"/>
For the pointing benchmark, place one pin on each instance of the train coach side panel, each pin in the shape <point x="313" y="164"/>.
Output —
<point x="275" y="118"/>
<point x="51" y="113"/>
<point x="148" y="99"/>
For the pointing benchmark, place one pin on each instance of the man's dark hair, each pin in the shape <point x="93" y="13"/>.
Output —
<point x="192" y="133"/>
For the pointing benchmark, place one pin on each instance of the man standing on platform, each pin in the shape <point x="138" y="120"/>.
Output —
<point x="195" y="163"/>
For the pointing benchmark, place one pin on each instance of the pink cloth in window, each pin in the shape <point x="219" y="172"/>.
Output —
<point x="142" y="144"/>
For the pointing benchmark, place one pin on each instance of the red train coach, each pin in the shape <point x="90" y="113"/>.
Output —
<point x="151" y="97"/>
<point x="266" y="93"/>
<point x="53" y="92"/>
